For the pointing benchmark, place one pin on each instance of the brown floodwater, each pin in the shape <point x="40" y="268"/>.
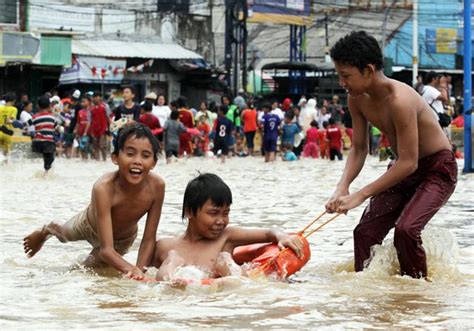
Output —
<point x="50" y="291"/>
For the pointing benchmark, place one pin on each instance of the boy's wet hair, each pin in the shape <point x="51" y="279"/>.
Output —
<point x="174" y="114"/>
<point x="139" y="131"/>
<point x="325" y="124"/>
<point x="358" y="49"/>
<point x="314" y="124"/>
<point x="332" y="121"/>
<point x="289" y="115"/>
<point x="202" y="188"/>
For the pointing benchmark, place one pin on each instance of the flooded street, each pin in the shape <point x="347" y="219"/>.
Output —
<point x="49" y="291"/>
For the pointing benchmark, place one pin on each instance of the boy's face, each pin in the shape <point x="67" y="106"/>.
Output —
<point x="135" y="160"/>
<point x="351" y="79"/>
<point x="127" y="94"/>
<point x="85" y="103"/>
<point x="287" y="120"/>
<point x="210" y="221"/>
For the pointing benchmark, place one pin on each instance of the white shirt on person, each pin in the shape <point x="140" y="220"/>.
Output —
<point x="24" y="118"/>
<point x="323" y="118"/>
<point x="430" y="95"/>
<point x="277" y="111"/>
<point x="162" y="112"/>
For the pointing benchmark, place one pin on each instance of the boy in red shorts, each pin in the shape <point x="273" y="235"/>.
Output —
<point x="334" y="136"/>
<point x="421" y="178"/>
<point x="99" y="126"/>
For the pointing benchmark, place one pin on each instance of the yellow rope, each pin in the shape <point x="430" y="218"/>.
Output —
<point x="314" y="221"/>
<point x="319" y="227"/>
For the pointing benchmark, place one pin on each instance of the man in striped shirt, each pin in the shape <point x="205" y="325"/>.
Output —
<point x="45" y="126"/>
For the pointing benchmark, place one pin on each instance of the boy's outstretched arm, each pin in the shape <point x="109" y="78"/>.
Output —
<point x="147" y="246"/>
<point x="102" y="205"/>
<point x="355" y="160"/>
<point x="238" y="236"/>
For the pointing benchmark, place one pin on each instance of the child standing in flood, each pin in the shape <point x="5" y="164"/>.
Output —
<point x="119" y="200"/>
<point x="173" y="129"/>
<point x="334" y="135"/>
<point x="45" y="124"/>
<point x="311" y="147"/>
<point x="270" y="123"/>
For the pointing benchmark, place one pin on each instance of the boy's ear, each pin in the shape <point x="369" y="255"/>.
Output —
<point x="370" y="69"/>
<point x="114" y="158"/>
<point x="188" y="214"/>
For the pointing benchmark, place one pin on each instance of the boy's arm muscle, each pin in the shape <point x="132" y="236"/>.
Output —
<point x="102" y="201"/>
<point x="147" y="246"/>
<point x="356" y="158"/>
<point x="404" y="117"/>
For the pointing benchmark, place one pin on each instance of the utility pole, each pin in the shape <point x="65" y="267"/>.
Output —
<point x="415" y="41"/>
<point x="235" y="43"/>
<point x="468" y="165"/>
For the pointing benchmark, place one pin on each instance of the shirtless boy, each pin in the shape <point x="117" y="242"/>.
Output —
<point x="119" y="200"/>
<point x="422" y="178"/>
<point x="208" y="242"/>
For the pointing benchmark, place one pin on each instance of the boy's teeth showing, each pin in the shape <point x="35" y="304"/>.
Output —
<point x="135" y="171"/>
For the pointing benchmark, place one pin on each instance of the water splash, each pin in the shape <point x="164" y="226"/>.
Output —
<point x="441" y="254"/>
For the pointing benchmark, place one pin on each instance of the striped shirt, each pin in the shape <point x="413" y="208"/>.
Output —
<point x="45" y="124"/>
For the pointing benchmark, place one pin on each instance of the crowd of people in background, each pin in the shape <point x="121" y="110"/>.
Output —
<point x="82" y="125"/>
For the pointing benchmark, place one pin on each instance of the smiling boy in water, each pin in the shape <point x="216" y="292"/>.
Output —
<point x="119" y="200"/>
<point x="208" y="242"/>
<point x="421" y="179"/>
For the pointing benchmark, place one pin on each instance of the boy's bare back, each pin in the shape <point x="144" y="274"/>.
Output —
<point x="400" y="110"/>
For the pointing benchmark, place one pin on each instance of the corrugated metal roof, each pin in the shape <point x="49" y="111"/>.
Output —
<point x="118" y="48"/>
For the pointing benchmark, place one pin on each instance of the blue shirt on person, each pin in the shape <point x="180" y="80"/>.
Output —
<point x="289" y="131"/>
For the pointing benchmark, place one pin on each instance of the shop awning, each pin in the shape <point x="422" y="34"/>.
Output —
<point x="129" y="49"/>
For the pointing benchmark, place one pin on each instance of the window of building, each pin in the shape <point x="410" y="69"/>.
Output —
<point x="9" y="11"/>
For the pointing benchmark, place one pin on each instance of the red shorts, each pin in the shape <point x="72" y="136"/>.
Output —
<point x="407" y="206"/>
